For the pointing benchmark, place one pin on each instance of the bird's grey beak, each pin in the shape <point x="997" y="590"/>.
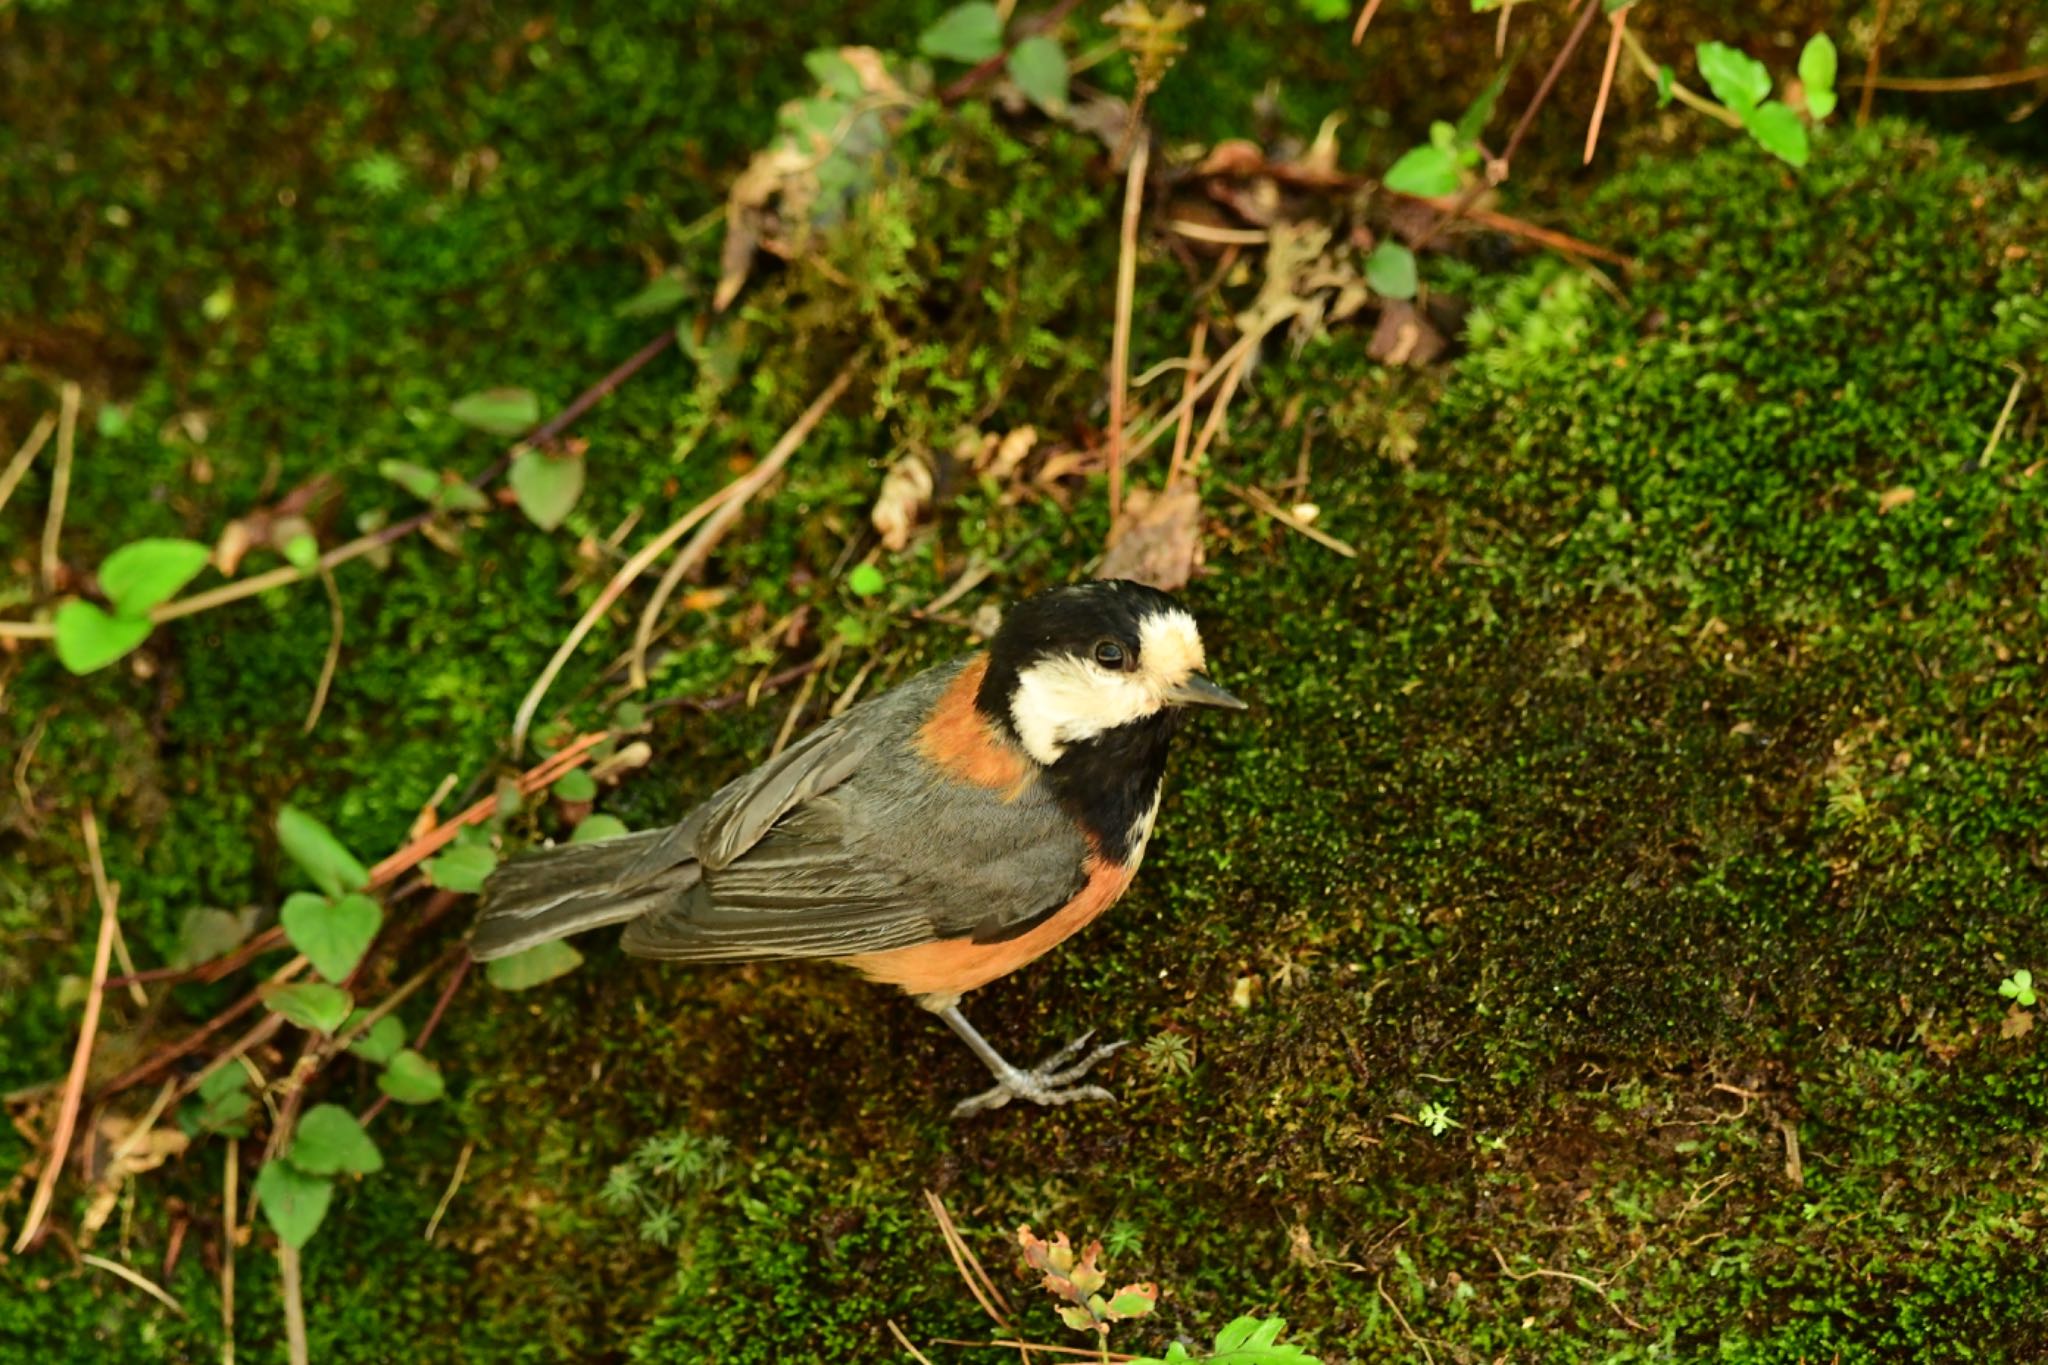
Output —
<point x="1199" y="691"/>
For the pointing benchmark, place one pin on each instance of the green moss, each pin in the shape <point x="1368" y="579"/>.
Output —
<point x="1575" y="804"/>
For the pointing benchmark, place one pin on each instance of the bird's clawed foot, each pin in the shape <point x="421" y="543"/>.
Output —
<point x="1050" y="1082"/>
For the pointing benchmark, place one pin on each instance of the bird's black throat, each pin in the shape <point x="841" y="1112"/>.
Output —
<point x="1108" y="782"/>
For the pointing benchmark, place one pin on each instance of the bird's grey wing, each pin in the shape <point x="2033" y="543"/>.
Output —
<point x="898" y="855"/>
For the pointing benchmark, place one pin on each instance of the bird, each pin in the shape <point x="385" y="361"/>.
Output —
<point x="934" y="838"/>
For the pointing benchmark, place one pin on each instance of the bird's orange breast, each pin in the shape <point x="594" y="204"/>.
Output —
<point x="956" y="966"/>
<point x="960" y="741"/>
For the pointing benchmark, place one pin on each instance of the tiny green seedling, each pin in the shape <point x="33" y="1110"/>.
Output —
<point x="2019" y="988"/>
<point x="1743" y="84"/>
<point x="1079" y="1281"/>
<point x="1436" y="1118"/>
<point x="664" y="1181"/>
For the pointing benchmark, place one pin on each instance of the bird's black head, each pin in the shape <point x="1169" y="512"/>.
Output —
<point x="1074" y="664"/>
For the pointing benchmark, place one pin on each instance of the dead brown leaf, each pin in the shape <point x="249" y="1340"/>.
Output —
<point x="905" y="497"/>
<point x="1159" y="540"/>
<point x="1404" y="336"/>
<point x="129" y="1153"/>
<point x="1895" y="497"/>
<point x="2018" y="1023"/>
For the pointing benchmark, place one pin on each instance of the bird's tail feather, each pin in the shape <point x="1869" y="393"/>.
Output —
<point x="556" y="892"/>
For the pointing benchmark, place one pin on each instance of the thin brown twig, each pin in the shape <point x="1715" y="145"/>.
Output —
<point x="1957" y="85"/>
<point x="1260" y="501"/>
<point x="136" y="1278"/>
<point x="2012" y="397"/>
<point x="1594" y="1285"/>
<point x="969" y="1265"/>
<point x="1198" y="351"/>
<point x="231" y="1175"/>
<point x="1522" y="125"/>
<point x="81" y="1062"/>
<point x="60" y="481"/>
<point x="327" y="667"/>
<point x="38" y="437"/>
<point x="448" y="1195"/>
<point x="1618" y="22"/>
<point x="1381" y="1285"/>
<point x="1365" y="15"/>
<point x="919" y="1356"/>
<point x="1884" y="14"/>
<point x="288" y="1288"/>
<point x="1120" y="336"/>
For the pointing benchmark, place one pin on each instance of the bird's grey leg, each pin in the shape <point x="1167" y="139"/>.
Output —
<point x="1047" y="1083"/>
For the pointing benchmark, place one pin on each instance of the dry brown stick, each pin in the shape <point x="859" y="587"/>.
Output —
<point x="1522" y="125"/>
<point x="1262" y="502"/>
<point x="1365" y="15"/>
<point x="289" y="1288"/>
<point x="230" y="1180"/>
<point x="1198" y="351"/>
<point x="1592" y="1284"/>
<point x="81" y="1061"/>
<point x="919" y="1356"/>
<point x="38" y="437"/>
<point x="1956" y="85"/>
<point x="969" y="1265"/>
<point x="1520" y="227"/>
<point x="1884" y="14"/>
<point x="721" y="511"/>
<point x="1120" y="335"/>
<point x="60" y="481"/>
<point x="734" y="496"/>
<point x="1618" y="22"/>
<point x="327" y="666"/>
<point x="136" y="1278"/>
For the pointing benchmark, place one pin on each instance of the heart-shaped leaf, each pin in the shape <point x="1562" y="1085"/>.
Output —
<point x="318" y="853"/>
<point x="1818" y="62"/>
<point x="1039" y="66"/>
<point x="381" y="1041"/>
<point x="88" y="639"/>
<point x="532" y="966"/>
<point x="144" y="573"/>
<point x="1780" y="132"/>
<point x="1390" y="270"/>
<point x="502" y="412"/>
<point x="575" y="785"/>
<point x="462" y="868"/>
<point x="333" y="935"/>
<point x="596" y="827"/>
<point x="312" y="1005"/>
<point x="411" y="1079"/>
<point x="547" y="486"/>
<point x="293" y="1201"/>
<point x="330" y="1142"/>
<point x="966" y="33"/>
<point x="1427" y="171"/>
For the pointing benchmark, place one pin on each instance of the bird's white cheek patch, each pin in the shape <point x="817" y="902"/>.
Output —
<point x="1141" y="830"/>
<point x="1060" y="701"/>
<point x="1169" y="648"/>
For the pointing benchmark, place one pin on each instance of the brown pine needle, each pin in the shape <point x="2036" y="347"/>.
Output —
<point x="1365" y="15"/>
<point x="1954" y="85"/>
<point x="231" y="1174"/>
<point x="334" y="623"/>
<point x="448" y="1195"/>
<point x="969" y="1265"/>
<point x="736" y="494"/>
<point x="2004" y="414"/>
<point x="38" y="437"/>
<point x="288" y="1288"/>
<point x="1619" y="25"/>
<point x="1884" y="14"/>
<point x="60" y="482"/>
<point x="1120" y="338"/>
<point x="919" y="1356"/>
<point x="136" y="1278"/>
<point x="81" y="1061"/>
<point x="1198" y="351"/>
<point x="1262" y="502"/>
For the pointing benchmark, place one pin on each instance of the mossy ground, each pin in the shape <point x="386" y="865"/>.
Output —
<point x="1651" y="793"/>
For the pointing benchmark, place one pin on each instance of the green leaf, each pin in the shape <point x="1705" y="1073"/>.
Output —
<point x="228" y="1079"/>
<point x="1325" y="11"/>
<point x="293" y="1201"/>
<point x="333" y="935"/>
<point x="1039" y="66"/>
<point x="302" y="552"/>
<point x="330" y="1142"/>
<point x="381" y="1042"/>
<point x="1479" y="113"/>
<point x="596" y="827"/>
<point x="1817" y="67"/>
<point x="411" y="1078"/>
<point x="1077" y="1317"/>
<point x="575" y="785"/>
<point x="462" y="868"/>
<point x="225" y="1104"/>
<point x="88" y="639"/>
<point x="1737" y="79"/>
<point x="1780" y="132"/>
<point x="547" y="486"/>
<point x="1133" y="1301"/>
<point x="1667" y="81"/>
<point x="1427" y="171"/>
<point x="418" y="480"/>
<point x="318" y="853"/>
<point x="1390" y="270"/>
<point x="312" y="1005"/>
<point x="865" y="580"/>
<point x="831" y="70"/>
<point x="663" y="294"/>
<point x="502" y="412"/>
<point x="142" y="574"/>
<point x="966" y="33"/>
<point x="533" y="966"/>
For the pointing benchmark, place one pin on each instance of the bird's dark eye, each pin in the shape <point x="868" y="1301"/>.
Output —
<point x="1109" y="654"/>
